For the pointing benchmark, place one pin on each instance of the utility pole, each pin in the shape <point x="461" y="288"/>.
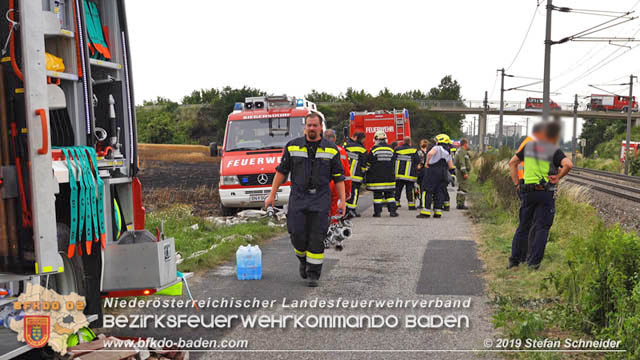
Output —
<point x="482" y="132"/>
<point x="546" y="86"/>
<point x="575" y="129"/>
<point x="473" y="133"/>
<point x="501" y="107"/>
<point x="629" y="111"/>
<point x="526" y="132"/>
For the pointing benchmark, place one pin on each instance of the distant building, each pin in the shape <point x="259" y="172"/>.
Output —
<point x="510" y="130"/>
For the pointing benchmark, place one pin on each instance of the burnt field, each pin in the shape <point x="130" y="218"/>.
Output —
<point x="174" y="174"/>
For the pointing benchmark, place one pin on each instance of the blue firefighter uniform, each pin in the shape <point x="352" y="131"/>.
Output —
<point x="406" y="169"/>
<point x="311" y="165"/>
<point x="357" y="154"/>
<point x="435" y="179"/>
<point x="381" y="178"/>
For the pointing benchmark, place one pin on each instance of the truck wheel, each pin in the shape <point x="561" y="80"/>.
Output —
<point x="213" y="149"/>
<point x="227" y="211"/>
<point x="72" y="279"/>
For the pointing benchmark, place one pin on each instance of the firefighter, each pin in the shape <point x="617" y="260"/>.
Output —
<point x="463" y="169"/>
<point x="450" y="179"/>
<point x="544" y="165"/>
<point x="407" y="160"/>
<point x="312" y="162"/>
<point x="437" y="165"/>
<point x="380" y="175"/>
<point x="357" y="154"/>
<point x="330" y="135"/>
<point x="422" y="154"/>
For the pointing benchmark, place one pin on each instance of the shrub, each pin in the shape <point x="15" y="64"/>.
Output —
<point x="485" y="168"/>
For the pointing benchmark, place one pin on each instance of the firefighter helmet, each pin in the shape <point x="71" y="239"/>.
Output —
<point x="443" y="139"/>
<point x="380" y="135"/>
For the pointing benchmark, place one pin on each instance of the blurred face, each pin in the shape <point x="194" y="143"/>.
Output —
<point x="313" y="128"/>
<point x="466" y="146"/>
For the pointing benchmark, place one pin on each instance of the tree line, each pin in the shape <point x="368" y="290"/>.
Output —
<point x="200" y="118"/>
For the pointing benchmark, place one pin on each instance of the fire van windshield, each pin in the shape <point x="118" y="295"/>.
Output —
<point x="257" y="134"/>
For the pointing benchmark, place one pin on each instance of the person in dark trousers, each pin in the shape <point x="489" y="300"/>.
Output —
<point x="438" y="164"/>
<point x="544" y="165"/>
<point x="357" y="154"/>
<point x="537" y="133"/>
<point x="406" y="168"/>
<point x="422" y="155"/>
<point x="313" y="163"/>
<point x="380" y="175"/>
<point x="462" y="164"/>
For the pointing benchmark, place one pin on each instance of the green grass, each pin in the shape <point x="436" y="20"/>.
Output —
<point x="178" y="221"/>
<point x="526" y="304"/>
<point x="611" y="165"/>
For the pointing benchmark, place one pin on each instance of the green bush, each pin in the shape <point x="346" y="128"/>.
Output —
<point x="488" y="161"/>
<point x="602" y="285"/>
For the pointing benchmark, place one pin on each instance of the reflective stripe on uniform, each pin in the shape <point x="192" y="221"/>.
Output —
<point x="354" y="204"/>
<point x="324" y="155"/>
<point x="331" y="151"/>
<point x="313" y="258"/>
<point x="297" y="151"/>
<point x="381" y="148"/>
<point x="300" y="253"/>
<point x="407" y="178"/>
<point x="407" y="151"/>
<point x="379" y="201"/>
<point x="356" y="149"/>
<point x="357" y="178"/>
<point x="390" y="200"/>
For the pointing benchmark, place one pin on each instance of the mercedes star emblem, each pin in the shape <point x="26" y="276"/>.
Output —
<point x="263" y="179"/>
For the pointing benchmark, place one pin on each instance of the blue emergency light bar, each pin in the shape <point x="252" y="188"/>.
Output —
<point x="300" y="102"/>
<point x="238" y="106"/>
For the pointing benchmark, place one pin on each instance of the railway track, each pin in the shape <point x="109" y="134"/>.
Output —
<point x="620" y="186"/>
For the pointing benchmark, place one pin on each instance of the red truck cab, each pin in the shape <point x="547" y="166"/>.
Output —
<point x="537" y="104"/>
<point x="256" y="133"/>
<point x="394" y="123"/>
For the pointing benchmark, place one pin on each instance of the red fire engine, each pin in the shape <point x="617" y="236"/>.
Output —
<point x="257" y="131"/>
<point x="394" y="123"/>
<point x="537" y="104"/>
<point x="633" y="148"/>
<point x="611" y="103"/>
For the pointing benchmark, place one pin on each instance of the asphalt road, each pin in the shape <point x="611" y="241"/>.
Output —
<point x="387" y="258"/>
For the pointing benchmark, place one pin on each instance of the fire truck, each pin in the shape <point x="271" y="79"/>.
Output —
<point x="634" y="147"/>
<point x="71" y="215"/>
<point x="611" y="103"/>
<point x="537" y="104"/>
<point x="394" y="123"/>
<point x="256" y="133"/>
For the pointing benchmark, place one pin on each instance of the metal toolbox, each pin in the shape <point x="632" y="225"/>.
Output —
<point x="139" y="263"/>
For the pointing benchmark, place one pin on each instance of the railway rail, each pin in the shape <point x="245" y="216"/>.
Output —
<point x="618" y="185"/>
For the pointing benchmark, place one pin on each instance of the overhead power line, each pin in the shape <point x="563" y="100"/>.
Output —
<point x="526" y="35"/>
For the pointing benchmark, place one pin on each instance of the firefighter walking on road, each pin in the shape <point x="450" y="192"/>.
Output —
<point x="407" y="160"/>
<point x="437" y="166"/>
<point x="463" y="169"/>
<point x="380" y="175"/>
<point x="312" y="163"/>
<point x="357" y="155"/>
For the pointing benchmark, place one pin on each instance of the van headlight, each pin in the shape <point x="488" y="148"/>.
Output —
<point x="230" y="180"/>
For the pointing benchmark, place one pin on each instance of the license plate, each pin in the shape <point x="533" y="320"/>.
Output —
<point x="259" y="197"/>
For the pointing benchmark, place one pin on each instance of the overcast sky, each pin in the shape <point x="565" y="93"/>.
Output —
<point x="286" y="46"/>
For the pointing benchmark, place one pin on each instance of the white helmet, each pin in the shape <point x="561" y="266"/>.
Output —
<point x="380" y="135"/>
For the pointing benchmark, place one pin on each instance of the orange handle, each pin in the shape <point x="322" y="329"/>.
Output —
<point x="45" y="132"/>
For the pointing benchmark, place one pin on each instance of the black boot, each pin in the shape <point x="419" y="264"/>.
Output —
<point x="312" y="283"/>
<point x="303" y="270"/>
<point x="376" y="215"/>
<point x="393" y="214"/>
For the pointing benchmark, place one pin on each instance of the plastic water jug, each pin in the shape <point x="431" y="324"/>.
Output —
<point x="249" y="263"/>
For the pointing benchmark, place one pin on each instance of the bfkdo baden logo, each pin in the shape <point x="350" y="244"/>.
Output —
<point x="36" y="330"/>
<point x="47" y="318"/>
